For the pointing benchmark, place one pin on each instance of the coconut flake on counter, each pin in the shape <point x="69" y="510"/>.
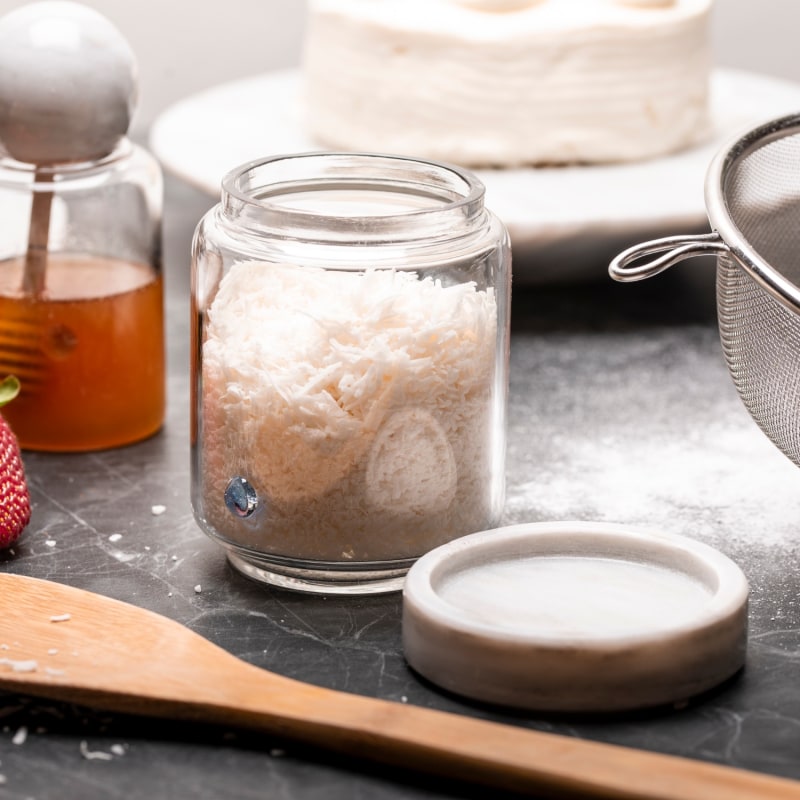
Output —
<point x="61" y="618"/>
<point x="94" y="755"/>
<point x="157" y="510"/>
<point x="20" y="736"/>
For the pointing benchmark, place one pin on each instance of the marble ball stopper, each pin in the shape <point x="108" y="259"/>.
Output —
<point x="68" y="84"/>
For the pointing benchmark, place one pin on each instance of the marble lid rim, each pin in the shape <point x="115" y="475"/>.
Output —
<point x="729" y="599"/>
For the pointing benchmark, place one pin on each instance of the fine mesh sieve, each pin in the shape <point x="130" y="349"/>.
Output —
<point x="752" y="195"/>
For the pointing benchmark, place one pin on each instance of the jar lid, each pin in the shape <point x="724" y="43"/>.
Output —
<point x="575" y="617"/>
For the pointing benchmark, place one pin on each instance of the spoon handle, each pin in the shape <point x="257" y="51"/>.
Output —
<point x="33" y="278"/>
<point x="117" y="657"/>
<point x="477" y="751"/>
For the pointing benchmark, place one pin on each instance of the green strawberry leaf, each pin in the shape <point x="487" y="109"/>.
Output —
<point x="9" y="389"/>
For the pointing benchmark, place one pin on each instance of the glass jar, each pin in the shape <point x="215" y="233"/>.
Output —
<point x="351" y="325"/>
<point x="81" y="309"/>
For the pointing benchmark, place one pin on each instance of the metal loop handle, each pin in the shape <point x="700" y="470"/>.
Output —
<point x="674" y="248"/>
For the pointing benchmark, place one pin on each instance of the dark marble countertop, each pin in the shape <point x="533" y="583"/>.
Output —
<point x="621" y="409"/>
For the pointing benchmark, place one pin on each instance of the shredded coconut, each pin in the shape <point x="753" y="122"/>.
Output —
<point x="198" y="589"/>
<point x="28" y="665"/>
<point x="20" y="736"/>
<point x="123" y="557"/>
<point x="61" y="618"/>
<point x="358" y="405"/>
<point x="97" y="755"/>
<point x="115" y="537"/>
<point x="158" y="510"/>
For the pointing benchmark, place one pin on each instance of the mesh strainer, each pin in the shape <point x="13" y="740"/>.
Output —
<point x="752" y="195"/>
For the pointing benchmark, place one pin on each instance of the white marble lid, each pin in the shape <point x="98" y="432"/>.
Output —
<point x="575" y="616"/>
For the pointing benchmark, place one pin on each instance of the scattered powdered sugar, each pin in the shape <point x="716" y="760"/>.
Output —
<point x="358" y="405"/>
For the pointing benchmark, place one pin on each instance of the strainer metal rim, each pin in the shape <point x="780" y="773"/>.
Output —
<point x="737" y="244"/>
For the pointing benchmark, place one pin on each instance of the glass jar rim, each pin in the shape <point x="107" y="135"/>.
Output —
<point x="459" y="194"/>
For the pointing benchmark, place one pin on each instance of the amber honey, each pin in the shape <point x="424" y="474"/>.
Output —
<point x="89" y="352"/>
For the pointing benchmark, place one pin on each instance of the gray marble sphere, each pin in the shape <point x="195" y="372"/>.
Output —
<point x="68" y="84"/>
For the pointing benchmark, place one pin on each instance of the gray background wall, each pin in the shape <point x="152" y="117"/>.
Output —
<point x="186" y="45"/>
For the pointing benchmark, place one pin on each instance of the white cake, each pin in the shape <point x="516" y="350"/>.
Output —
<point x="509" y="82"/>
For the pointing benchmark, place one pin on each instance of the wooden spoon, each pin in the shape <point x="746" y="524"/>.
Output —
<point x="72" y="645"/>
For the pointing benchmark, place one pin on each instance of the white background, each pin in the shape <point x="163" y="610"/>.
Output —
<point x="184" y="46"/>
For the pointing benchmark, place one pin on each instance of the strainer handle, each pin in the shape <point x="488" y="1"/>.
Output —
<point x="674" y="249"/>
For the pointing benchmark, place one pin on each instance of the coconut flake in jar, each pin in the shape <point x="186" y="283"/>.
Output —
<point x="351" y="372"/>
<point x="357" y="405"/>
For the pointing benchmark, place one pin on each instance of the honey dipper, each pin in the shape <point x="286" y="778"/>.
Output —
<point x="67" y="94"/>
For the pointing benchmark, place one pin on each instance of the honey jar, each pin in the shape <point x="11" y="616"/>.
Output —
<point x="81" y="309"/>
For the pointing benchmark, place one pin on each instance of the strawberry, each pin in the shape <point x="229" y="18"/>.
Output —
<point x="15" y="501"/>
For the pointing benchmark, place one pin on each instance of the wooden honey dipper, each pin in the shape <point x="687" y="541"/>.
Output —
<point x="67" y="94"/>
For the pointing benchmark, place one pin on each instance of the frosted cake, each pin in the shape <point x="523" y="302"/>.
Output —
<point x="509" y="82"/>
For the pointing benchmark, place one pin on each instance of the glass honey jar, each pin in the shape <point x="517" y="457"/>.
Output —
<point x="81" y="319"/>
<point x="81" y="316"/>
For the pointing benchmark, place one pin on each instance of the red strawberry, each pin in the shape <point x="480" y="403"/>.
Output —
<point x="15" y="502"/>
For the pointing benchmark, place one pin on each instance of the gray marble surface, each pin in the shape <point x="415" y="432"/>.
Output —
<point x="621" y="409"/>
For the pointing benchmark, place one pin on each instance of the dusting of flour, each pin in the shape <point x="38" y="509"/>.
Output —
<point x="702" y="485"/>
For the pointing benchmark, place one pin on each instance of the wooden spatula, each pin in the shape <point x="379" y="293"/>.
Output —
<point x="72" y="645"/>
